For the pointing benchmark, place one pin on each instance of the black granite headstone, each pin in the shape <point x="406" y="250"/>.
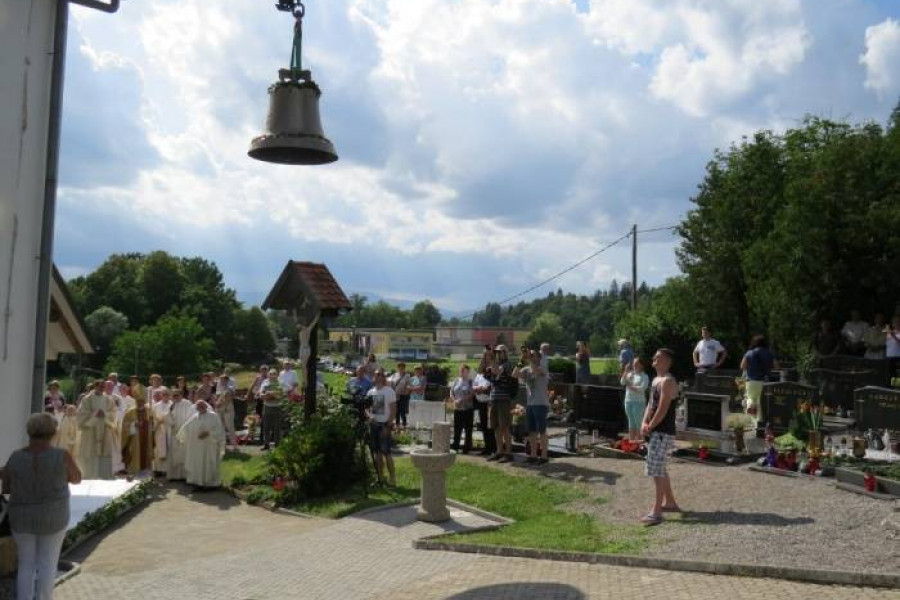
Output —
<point x="781" y="400"/>
<point x="836" y="387"/>
<point x="721" y="385"/>
<point x="877" y="408"/>
<point x="601" y="407"/>
<point x="704" y="411"/>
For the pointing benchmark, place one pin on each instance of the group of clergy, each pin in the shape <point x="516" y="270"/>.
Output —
<point x="118" y="429"/>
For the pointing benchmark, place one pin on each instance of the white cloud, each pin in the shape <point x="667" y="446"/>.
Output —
<point x="882" y="58"/>
<point x="514" y="134"/>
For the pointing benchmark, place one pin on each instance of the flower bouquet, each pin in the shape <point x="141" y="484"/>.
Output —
<point x="518" y="414"/>
<point x="251" y="424"/>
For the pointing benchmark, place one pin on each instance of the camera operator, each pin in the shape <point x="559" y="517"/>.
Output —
<point x="359" y="385"/>
<point x="382" y="411"/>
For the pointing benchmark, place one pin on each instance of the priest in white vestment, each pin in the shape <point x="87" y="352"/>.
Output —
<point x="204" y="439"/>
<point x="97" y="423"/>
<point x="180" y="412"/>
<point x="160" y="413"/>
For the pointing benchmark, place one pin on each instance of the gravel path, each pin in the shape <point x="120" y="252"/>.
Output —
<point x="739" y="516"/>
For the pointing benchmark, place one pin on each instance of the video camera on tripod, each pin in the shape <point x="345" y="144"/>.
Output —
<point x="357" y="401"/>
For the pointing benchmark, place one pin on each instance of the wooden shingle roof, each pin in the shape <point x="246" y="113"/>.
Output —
<point x="310" y="281"/>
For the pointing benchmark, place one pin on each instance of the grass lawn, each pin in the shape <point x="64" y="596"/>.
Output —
<point x="538" y="506"/>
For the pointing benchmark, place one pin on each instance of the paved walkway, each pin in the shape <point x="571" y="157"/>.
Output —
<point x="209" y="546"/>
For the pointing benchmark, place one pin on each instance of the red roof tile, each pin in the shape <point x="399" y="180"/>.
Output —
<point x="307" y="279"/>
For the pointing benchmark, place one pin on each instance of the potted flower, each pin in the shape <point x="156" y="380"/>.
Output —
<point x="738" y="423"/>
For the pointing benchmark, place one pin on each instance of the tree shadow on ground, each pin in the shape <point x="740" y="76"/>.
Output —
<point x="556" y="591"/>
<point x="730" y="517"/>
<point x="569" y="472"/>
<point x="216" y="497"/>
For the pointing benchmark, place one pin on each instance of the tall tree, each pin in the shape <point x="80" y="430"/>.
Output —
<point x="425" y="315"/>
<point x="104" y="325"/>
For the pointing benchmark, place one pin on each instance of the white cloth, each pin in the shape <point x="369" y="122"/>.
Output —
<point x="38" y="560"/>
<point x="382" y="398"/>
<point x="708" y="351"/>
<point x="179" y="414"/>
<point x="288" y="380"/>
<point x="203" y="457"/>
<point x="854" y="331"/>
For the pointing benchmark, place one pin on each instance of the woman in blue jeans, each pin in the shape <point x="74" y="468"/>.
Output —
<point x="37" y="480"/>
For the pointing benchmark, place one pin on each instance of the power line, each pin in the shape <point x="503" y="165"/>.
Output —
<point x="556" y="276"/>
<point x="667" y="228"/>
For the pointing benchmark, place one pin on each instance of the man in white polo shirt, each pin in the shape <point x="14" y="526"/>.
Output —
<point x="709" y="353"/>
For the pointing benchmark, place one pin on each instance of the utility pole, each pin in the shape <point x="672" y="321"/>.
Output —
<point x="634" y="267"/>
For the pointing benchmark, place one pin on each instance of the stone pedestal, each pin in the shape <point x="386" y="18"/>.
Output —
<point x="433" y="465"/>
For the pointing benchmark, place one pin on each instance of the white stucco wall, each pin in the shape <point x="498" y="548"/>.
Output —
<point x="26" y="44"/>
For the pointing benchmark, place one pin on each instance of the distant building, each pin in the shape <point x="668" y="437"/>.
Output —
<point x="405" y="344"/>
<point x="470" y="340"/>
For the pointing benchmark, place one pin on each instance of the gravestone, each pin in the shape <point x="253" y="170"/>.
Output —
<point x="836" y="387"/>
<point x="721" y="385"/>
<point x="879" y="368"/>
<point x="781" y="400"/>
<point x="706" y="412"/>
<point x="600" y="407"/>
<point x="877" y="408"/>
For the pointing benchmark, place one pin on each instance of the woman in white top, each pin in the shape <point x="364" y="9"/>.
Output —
<point x="636" y="383"/>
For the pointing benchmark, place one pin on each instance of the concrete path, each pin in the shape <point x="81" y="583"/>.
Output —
<point x="210" y="546"/>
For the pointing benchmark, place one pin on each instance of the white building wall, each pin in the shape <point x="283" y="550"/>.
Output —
<point x="26" y="45"/>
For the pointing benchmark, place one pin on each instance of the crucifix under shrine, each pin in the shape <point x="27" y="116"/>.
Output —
<point x="309" y="294"/>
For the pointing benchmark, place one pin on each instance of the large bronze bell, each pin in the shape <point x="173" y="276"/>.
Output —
<point x="294" y="134"/>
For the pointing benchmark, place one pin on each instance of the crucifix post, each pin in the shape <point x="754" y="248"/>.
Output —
<point x="309" y="406"/>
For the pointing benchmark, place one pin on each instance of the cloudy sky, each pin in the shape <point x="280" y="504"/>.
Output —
<point x="484" y="144"/>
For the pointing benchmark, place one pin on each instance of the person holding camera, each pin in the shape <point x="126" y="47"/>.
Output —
<point x="502" y="384"/>
<point x="382" y="410"/>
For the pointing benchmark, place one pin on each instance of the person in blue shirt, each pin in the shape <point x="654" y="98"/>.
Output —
<point x="757" y="365"/>
<point x="360" y="385"/>
<point x="626" y="356"/>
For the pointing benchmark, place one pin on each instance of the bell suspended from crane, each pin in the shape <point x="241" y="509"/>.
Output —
<point x="294" y="133"/>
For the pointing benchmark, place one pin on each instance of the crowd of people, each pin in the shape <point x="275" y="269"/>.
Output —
<point x="859" y="338"/>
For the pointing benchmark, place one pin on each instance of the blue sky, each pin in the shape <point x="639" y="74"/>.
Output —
<point x="484" y="144"/>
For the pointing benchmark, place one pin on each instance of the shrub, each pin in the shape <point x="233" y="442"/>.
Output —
<point x="321" y="454"/>
<point x="437" y="374"/>
<point x="563" y="367"/>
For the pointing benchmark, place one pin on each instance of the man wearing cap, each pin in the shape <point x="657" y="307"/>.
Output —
<point x="500" y="376"/>
<point x="626" y="356"/>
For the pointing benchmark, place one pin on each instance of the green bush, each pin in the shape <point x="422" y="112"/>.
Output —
<point x="320" y="455"/>
<point x="565" y="367"/>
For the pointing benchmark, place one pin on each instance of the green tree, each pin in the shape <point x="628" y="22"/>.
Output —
<point x="255" y="341"/>
<point x="162" y="282"/>
<point x="547" y="328"/>
<point x="116" y="284"/>
<point x="425" y="315"/>
<point x="174" y="345"/>
<point x="104" y="325"/>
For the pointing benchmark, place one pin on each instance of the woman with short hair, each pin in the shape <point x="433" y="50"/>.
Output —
<point x="37" y="480"/>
